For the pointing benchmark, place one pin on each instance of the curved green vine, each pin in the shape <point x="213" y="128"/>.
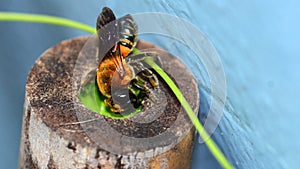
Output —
<point x="21" y="17"/>
<point x="52" y="20"/>
<point x="199" y="127"/>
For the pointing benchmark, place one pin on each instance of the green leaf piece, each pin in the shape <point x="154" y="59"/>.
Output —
<point x="90" y="97"/>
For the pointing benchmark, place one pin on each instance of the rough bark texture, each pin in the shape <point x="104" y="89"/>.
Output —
<point x="52" y="138"/>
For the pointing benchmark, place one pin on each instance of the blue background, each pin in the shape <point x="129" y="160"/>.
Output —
<point x="258" y="43"/>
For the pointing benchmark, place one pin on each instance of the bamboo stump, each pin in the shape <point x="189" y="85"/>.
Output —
<point x="57" y="132"/>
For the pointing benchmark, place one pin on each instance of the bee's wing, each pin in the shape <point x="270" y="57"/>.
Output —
<point x="155" y="57"/>
<point x="87" y="79"/>
<point x="133" y="58"/>
<point x="105" y="17"/>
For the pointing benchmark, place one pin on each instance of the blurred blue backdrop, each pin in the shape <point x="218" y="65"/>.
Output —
<point x="258" y="43"/>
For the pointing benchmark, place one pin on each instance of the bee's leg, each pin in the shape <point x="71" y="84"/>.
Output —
<point x="141" y="85"/>
<point x="139" y="65"/>
<point x="135" y="97"/>
<point x="115" y="47"/>
<point x="139" y="90"/>
<point x="147" y="73"/>
<point x="140" y="57"/>
<point x="113" y="107"/>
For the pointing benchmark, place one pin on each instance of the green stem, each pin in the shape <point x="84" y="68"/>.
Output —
<point x="22" y="17"/>
<point x="209" y="142"/>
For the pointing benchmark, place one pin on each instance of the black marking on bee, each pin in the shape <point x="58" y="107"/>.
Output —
<point x="128" y="45"/>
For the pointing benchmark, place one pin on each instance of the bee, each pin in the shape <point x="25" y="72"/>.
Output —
<point x="114" y="72"/>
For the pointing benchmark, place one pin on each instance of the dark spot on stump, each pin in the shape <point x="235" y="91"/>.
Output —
<point x="72" y="146"/>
